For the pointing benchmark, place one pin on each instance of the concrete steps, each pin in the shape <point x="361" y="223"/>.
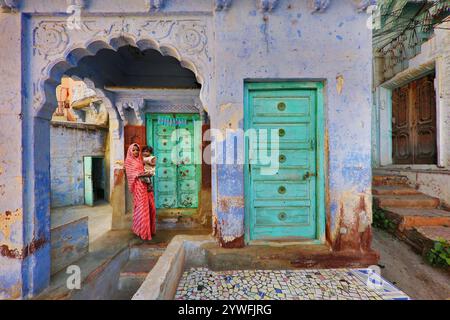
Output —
<point x="408" y="218"/>
<point x="141" y="261"/>
<point x="134" y="273"/>
<point x="417" y="218"/>
<point x="69" y="235"/>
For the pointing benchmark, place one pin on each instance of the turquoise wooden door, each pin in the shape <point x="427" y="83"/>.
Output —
<point x="175" y="139"/>
<point x="88" y="183"/>
<point x="282" y="204"/>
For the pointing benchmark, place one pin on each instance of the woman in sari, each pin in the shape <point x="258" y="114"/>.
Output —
<point x="144" y="211"/>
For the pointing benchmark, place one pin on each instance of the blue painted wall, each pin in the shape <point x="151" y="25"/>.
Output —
<point x="287" y="43"/>
<point x="292" y="43"/>
<point x="67" y="149"/>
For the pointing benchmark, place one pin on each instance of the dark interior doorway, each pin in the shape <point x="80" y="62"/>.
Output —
<point x="98" y="178"/>
<point x="94" y="180"/>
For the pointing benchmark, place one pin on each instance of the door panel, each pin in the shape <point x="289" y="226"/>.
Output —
<point x="187" y="186"/>
<point x="166" y="201"/>
<point x="186" y="172"/>
<point x="425" y="106"/>
<point x="166" y="173"/>
<point x="401" y="130"/>
<point x="275" y="216"/>
<point x="166" y="186"/>
<point x="188" y="200"/>
<point x="164" y="158"/>
<point x="283" y="205"/>
<point x="163" y="130"/>
<point x="164" y="143"/>
<point x="288" y="190"/>
<point x="293" y="108"/>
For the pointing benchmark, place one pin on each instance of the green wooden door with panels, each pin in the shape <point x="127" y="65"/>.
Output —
<point x="176" y="140"/>
<point x="284" y="203"/>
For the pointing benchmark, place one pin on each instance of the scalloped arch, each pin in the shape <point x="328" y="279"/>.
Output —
<point x="72" y="55"/>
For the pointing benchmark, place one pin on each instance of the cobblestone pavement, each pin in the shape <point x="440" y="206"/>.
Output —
<point x="310" y="284"/>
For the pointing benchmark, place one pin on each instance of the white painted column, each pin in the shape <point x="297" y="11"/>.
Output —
<point x="384" y="101"/>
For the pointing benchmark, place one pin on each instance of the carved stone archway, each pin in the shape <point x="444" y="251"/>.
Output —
<point x="54" y="49"/>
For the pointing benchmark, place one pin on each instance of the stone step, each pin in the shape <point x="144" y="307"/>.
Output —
<point x="408" y="218"/>
<point x="394" y="190"/>
<point x="422" y="238"/>
<point x="134" y="272"/>
<point x="69" y="240"/>
<point x="406" y="201"/>
<point x="389" y="180"/>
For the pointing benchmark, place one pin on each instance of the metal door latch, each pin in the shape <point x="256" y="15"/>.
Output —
<point x="308" y="175"/>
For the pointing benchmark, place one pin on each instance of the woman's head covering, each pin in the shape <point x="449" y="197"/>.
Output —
<point x="133" y="166"/>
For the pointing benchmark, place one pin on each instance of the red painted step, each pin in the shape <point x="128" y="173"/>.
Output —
<point x="408" y="218"/>
<point x="389" y="180"/>
<point x="394" y="190"/>
<point x="406" y="201"/>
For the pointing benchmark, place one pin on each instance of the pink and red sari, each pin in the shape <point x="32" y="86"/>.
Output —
<point x="144" y="211"/>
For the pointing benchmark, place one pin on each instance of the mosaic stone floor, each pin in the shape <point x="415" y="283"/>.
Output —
<point x="311" y="284"/>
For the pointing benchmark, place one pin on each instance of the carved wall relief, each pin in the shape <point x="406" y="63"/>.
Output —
<point x="186" y="39"/>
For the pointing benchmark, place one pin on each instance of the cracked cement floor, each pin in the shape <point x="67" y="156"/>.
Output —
<point x="408" y="270"/>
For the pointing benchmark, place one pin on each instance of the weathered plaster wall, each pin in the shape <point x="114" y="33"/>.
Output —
<point x="12" y="219"/>
<point x="222" y="48"/>
<point x="67" y="149"/>
<point x="291" y="43"/>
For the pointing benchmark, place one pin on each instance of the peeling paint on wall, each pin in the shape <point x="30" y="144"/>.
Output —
<point x="353" y="222"/>
<point x="230" y="117"/>
<point x="22" y="252"/>
<point x="229" y="226"/>
<point x="7" y="220"/>
<point x="225" y="203"/>
<point x="339" y="83"/>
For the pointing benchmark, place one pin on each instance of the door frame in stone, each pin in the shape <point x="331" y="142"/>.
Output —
<point x="382" y="133"/>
